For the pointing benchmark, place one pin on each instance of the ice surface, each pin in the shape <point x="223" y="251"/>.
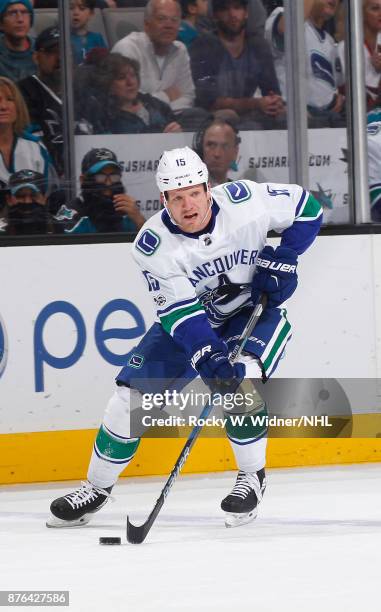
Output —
<point x="315" y="546"/>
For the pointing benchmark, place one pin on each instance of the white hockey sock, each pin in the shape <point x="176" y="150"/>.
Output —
<point x="113" y="447"/>
<point x="250" y="457"/>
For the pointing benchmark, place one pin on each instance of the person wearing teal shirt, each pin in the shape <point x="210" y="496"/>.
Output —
<point x="192" y="11"/>
<point x="83" y="40"/>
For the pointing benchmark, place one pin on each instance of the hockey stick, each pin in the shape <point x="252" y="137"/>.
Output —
<point x="136" y="534"/>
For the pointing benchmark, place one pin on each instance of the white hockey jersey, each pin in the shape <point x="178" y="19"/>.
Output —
<point x="209" y="273"/>
<point x="323" y="69"/>
<point x="374" y="167"/>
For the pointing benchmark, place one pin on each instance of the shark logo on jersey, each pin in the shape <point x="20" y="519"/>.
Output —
<point x="322" y="69"/>
<point x="237" y="192"/>
<point x="3" y="347"/>
<point x="224" y="295"/>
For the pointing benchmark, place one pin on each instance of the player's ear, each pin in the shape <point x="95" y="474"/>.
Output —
<point x="162" y="202"/>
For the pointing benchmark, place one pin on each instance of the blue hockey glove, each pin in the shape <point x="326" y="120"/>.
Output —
<point x="275" y="275"/>
<point x="212" y="363"/>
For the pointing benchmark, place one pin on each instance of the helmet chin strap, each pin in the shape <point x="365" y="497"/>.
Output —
<point x="210" y="200"/>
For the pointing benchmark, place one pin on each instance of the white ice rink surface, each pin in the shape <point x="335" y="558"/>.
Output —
<point x="316" y="545"/>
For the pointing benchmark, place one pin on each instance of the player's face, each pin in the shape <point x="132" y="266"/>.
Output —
<point x="126" y="86"/>
<point x="232" y="19"/>
<point x="162" y="26"/>
<point x="8" y="112"/>
<point x="219" y="149"/>
<point x="16" y="21"/>
<point x="372" y="15"/>
<point x="190" y="208"/>
<point x="79" y="14"/>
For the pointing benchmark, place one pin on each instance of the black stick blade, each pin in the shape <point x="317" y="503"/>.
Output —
<point x="136" y="534"/>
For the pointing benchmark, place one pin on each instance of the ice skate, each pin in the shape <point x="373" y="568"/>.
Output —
<point x="77" y="508"/>
<point x="241" y="505"/>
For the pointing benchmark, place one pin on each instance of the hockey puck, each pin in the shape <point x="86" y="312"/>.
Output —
<point x="110" y="541"/>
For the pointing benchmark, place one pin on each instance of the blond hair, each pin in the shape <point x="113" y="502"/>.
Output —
<point x="22" y="113"/>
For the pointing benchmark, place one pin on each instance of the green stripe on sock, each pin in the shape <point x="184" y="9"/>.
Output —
<point x="109" y="446"/>
<point x="170" y="319"/>
<point x="252" y="426"/>
<point x="282" y="334"/>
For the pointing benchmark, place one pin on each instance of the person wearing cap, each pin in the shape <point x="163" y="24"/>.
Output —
<point x="16" y="46"/>
<point x="26" y="210"/>
<point x="229" y="67"/>
<point x="42" y="93"/>
<point x="103" y="204"/>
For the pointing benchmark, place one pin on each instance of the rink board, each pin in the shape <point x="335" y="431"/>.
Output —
<point x="64" y="455"/>
<point x="56" y="374"/>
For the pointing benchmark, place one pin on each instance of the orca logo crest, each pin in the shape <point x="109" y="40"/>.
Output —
<point x="225" y="299"/>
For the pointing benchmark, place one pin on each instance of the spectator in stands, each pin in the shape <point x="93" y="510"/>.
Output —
<point x="323" y="72"/>
<point x="117" y="107"/>
<point x="229" y="66"/>
<point x="374" y="163"/>
<point x="217" y="144"/>
<point x="103" y="205"/>
<point x="16" y="47"/>
<point x="18" y="150"/>
<point x="82" y="40"/>
<point x="372" y="51"/>
<point x="191" y="12"/>
<point x="164" y="61"/>
<point x="42" y="93"/>
<point x="26" y="210"/>
<point x="107" y="4"/>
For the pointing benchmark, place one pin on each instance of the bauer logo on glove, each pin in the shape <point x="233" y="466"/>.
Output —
<point x="275" y="275"/>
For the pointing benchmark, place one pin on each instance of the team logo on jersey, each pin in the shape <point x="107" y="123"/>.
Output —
<point x="160" y="300"/>
<point x="373" y="128"/>
<point x="226" y="299"/>
<point x="322" y="69"/>
<point x="237" y="192"/>
<point x="136" y="361"/>
<point x="3" y="347"/>
<point x="148" y="242"/>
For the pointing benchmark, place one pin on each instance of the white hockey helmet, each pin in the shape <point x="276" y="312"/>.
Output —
<point x="180" y="168"/>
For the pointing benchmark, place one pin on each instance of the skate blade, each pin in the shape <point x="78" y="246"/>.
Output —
<point x="54" y="522"/>
<point x="236" y="520"/>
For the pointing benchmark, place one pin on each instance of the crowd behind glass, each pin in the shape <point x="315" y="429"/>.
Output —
<point x="215" y="69"/>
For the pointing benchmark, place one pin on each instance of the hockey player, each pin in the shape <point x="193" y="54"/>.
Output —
<point x="206" y="262"/>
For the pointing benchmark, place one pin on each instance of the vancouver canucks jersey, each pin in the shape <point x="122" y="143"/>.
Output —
<point x="198" y="281"/>
<point x="374" y="164"/>
<point x="323" y="68"/>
